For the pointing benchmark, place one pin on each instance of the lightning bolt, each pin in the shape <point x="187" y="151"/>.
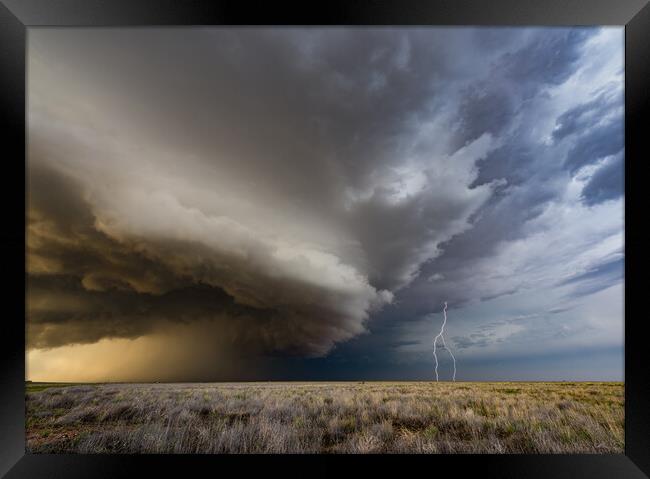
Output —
<point x="435" y="341"/>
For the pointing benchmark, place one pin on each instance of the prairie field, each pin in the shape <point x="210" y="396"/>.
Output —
<point x="320" y="417"/>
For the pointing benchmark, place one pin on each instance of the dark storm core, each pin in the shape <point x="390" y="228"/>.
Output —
<point x="210" y="204"/>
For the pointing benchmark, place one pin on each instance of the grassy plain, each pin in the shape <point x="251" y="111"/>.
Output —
<point x="337" y="417"/>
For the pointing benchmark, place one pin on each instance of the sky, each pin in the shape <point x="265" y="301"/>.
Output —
<point x="208" y="204"/>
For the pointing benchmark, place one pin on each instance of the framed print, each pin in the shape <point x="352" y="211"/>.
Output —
<point x="360" y="235"/>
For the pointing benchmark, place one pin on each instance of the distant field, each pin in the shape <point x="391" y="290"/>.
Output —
<point x="345" y="417"/>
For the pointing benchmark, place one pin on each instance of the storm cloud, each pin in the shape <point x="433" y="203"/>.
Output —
<point x="279" y="191"/>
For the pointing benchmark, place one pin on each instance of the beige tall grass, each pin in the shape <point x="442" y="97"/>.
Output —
<point x="375" y="417"/>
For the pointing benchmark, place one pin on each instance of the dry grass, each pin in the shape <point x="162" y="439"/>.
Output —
<point x="373" y="417"/>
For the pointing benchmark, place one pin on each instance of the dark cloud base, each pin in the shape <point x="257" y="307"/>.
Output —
<point x="83" y="285"/>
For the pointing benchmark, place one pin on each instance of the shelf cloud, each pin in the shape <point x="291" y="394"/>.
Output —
<point x="275" y="192"/>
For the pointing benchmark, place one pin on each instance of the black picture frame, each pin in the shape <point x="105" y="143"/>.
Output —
<point x="18" y="15"/>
